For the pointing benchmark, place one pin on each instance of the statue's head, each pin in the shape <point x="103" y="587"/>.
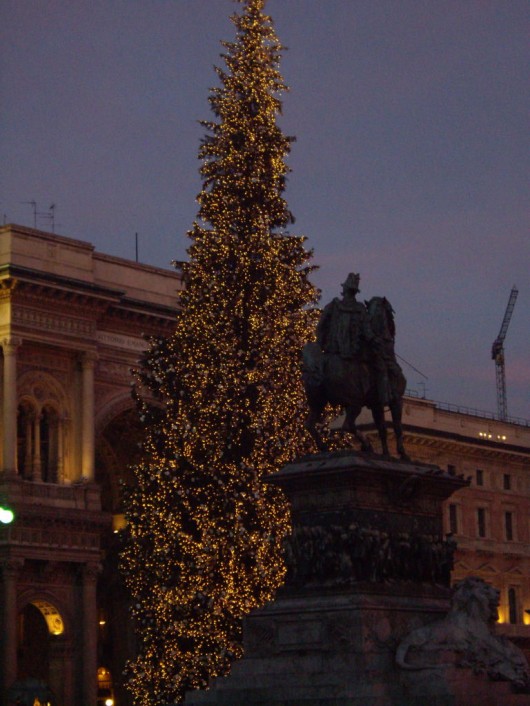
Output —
<point x="352" y="283"/>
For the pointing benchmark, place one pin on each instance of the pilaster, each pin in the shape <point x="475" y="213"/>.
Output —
<point x="88" y="362"/>
<point x="10" y="571"/>
<point x="9" y="411"/>
<point x="89" y="575"/>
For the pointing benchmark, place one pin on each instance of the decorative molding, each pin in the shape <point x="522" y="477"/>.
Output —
<point x="42" y="388"/>
<point x="46" y="321"/>
<point x="115" y="371"/>
<point x="38" y="360"/>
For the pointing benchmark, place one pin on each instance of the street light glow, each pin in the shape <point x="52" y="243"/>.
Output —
<point x="6" y="515"/>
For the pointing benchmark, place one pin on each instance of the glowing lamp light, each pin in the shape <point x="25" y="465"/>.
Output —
<point x="6" y="515"/>
<point x="109" y="702"/>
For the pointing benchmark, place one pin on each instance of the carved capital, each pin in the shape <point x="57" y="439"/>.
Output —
<point x="10" y="344"/>
<point x="88" y="359"/>
<point x="7" y="286"/>
<point x="11" y="567"/>
<point x="90" y="572"/>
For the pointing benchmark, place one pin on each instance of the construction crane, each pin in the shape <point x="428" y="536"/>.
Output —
<point x="497" y="354"/>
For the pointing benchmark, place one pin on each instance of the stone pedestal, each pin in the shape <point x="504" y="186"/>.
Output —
<point x="368" y="563"/>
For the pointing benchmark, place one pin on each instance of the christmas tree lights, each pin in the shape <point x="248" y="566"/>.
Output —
<point x="204" y="536"/>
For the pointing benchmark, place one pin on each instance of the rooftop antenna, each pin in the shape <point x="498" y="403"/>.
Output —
<point x="33" y="203"/>
<point x="497" y="354"/>
<point x="52" y="216"/>
<point x="136" y="244"/>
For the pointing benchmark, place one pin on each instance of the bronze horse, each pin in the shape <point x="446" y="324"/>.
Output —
<point x="356" y="383"/>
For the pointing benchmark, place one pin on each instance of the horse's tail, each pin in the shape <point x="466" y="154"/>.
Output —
<point x="312" y="365"/>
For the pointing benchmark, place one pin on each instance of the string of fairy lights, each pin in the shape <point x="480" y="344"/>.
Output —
<point x="205" y="532"/>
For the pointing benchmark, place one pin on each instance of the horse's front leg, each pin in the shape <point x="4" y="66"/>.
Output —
<point x="349" y="425"/>
<point x="378" y="414"/>
<point x="396" y="409"/>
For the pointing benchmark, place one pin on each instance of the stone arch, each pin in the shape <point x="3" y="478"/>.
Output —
<point x="112" y="408"/>
<point x="118" y="432"/>
<point x="44" y="644"/>
<point x="47" y="602"/>
<point x="42" y="389"/>
<point x="54" y="619"/>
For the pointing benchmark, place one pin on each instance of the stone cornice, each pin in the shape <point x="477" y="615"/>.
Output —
<point x="28" y="277"/>
<point x="470" y="446"/>
<point x="457" y="443"/>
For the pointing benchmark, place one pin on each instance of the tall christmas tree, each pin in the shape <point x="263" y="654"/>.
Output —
<point x="205" y="533"/>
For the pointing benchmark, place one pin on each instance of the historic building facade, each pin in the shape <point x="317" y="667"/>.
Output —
<point x="71" y="325"/>
<point x="490" y="519"/>
<point x="71" y="328"/>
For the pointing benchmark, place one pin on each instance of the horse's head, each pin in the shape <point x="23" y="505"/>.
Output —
<point x="381" y="316"/>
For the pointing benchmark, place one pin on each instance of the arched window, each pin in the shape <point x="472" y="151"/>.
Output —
<point x="49" y="444"/>
<point x="25" y="440"/>
<point x="42" y="412"/>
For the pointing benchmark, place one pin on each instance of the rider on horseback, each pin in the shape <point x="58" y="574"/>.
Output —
<point x="344" y="329"/>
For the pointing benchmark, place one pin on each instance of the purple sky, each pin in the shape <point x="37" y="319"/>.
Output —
<point x="411" y="164"/>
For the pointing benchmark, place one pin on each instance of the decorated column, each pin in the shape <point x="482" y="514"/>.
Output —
<point x="89" y="578"/>
<point x="10" y="570"/>
<point x="9" y="347"/>
<point x="88" y="361"/>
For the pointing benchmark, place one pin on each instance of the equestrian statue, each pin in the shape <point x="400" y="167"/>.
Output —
<point x="352" y="364"/>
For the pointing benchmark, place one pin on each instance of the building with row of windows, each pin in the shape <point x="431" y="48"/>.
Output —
<point x="490" y="519"/>
<point x="72" y="325"/>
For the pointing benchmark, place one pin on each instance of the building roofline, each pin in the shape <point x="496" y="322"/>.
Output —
<point x="45" y="235"/>
<point x="85" y="245"/>
<point x="29" y="275"/>
<point x="411" y="396"/>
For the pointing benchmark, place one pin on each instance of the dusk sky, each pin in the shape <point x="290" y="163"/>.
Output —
<point x="411" y="165"/>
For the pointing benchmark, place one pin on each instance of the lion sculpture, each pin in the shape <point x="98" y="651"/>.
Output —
<point x="467" y="630"/>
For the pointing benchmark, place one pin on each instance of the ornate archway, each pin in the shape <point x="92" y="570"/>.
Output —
<point x="42" y="647"/>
